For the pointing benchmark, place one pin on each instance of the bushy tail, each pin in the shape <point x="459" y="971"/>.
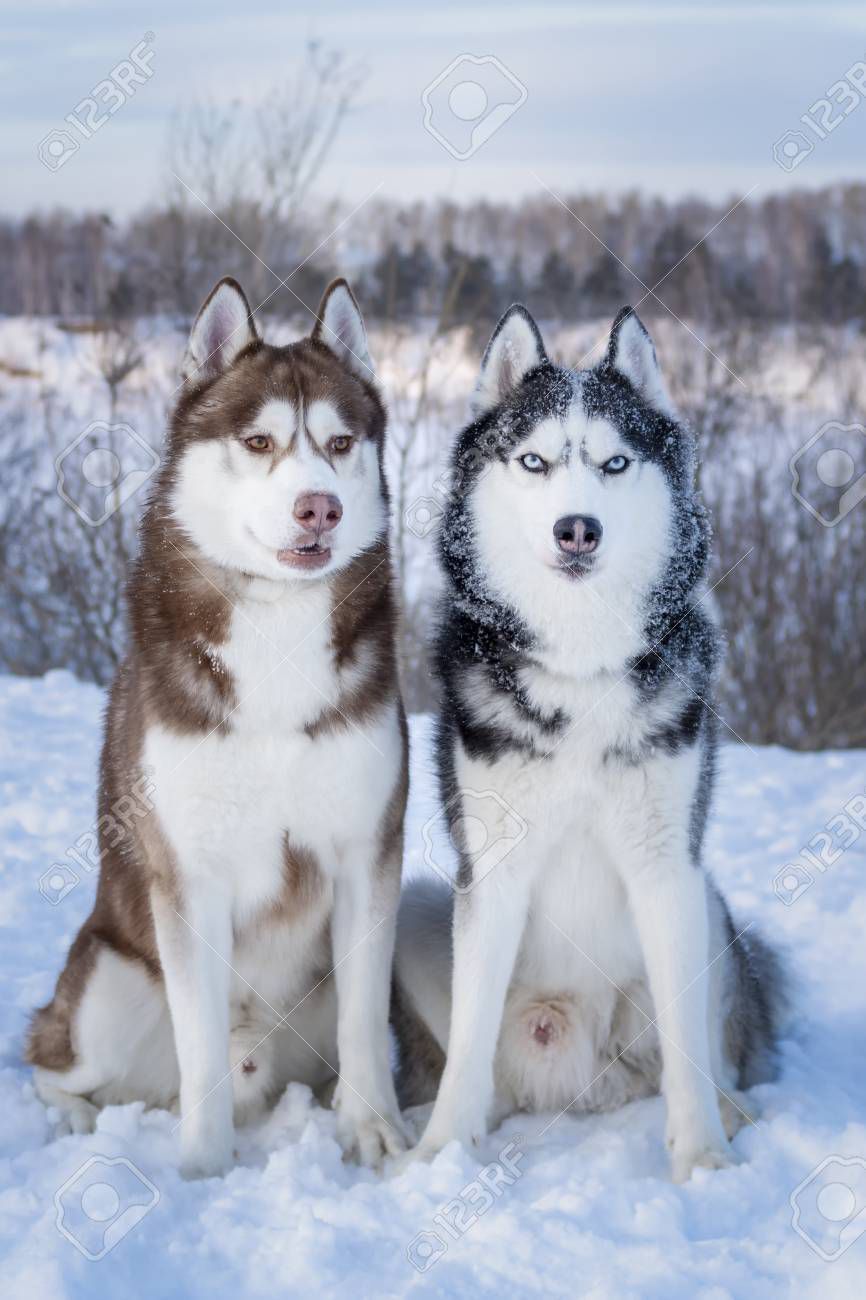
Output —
<point x="422" y="971"/>
<point x="760" y="1010"/>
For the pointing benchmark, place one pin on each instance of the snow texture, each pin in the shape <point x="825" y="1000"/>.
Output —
<point x="587" y="1209"/>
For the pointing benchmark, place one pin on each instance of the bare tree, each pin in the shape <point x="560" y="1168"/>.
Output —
<point x="252" y="166"/>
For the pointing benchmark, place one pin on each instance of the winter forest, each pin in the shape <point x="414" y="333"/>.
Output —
<point x="759" y="327"/>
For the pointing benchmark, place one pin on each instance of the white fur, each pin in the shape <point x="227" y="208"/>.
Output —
<point x="237" y="506"/>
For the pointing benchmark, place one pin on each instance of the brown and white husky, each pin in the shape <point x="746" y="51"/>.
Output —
<point x="242" y="932"/>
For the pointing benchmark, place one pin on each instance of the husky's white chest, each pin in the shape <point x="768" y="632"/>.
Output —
<point x="230" y="802"/>
<point x="557" y="815"/>
<point x="278" y="654"/>
<point x="567" y="782"/>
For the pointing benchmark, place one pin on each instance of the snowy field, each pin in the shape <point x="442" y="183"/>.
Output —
<point x="585" y="1210"/>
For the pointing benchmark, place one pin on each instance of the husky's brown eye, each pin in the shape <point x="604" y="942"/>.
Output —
<point x="258" y="442"/>
<point x="341" y="444"/>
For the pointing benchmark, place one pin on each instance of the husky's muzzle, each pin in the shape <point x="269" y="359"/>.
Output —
<point x="576" y="539"/>
<point x="318" y="513"/>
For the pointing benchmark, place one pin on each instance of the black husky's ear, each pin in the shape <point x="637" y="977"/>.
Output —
<point x="515" y="348"/>
<point x="630" y="350"/>
<point x="340" y="326"/>
<point x="222" y="329"/>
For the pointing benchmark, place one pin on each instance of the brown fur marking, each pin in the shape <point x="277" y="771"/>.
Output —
<point x="302" y="876"/>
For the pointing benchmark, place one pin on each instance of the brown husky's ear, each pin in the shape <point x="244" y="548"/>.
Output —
<point x="222" y="329"/>
<point x="340" y="326"/>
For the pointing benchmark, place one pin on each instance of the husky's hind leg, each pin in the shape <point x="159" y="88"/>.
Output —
<point x="104" y="1038"/>
<point x="77" y="1114"/>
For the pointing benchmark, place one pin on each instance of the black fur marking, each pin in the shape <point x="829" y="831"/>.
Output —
<point x="546" y="390"/>
<point x="670" y="736"/>
<point x="651" y="434"/>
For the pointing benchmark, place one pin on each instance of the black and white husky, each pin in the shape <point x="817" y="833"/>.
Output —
<point x="593" y="960"/>
<point x="243" y="930"/>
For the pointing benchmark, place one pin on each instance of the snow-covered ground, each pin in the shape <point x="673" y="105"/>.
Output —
<point x="586" y="1210"/>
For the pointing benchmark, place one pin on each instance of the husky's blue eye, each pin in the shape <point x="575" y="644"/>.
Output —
<point x="615" y="465"/>
<point x="533" y="463"/>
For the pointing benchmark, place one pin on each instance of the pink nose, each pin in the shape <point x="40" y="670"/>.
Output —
<point x="318" y="512"/>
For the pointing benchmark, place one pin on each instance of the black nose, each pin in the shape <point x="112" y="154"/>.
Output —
<point x="577" y="534"/>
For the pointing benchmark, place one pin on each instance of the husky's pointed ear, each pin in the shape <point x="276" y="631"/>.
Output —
<point x="340" y="326"/>
<point x="515" y="348"/>
<point x="631" y="352"/>
<point x="222" y="329"/>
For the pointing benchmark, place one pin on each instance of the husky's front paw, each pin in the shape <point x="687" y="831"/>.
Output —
<point x="206" y="1164"/>
<point x="735" y="1112"/>
<point x="421" y="1154"/>
<point x="434" y="1140"/>
<point x="366" y="1135"/>
<point x="78" y="1117"/>
<point x="685" y="1159"/>
<point x="206" y="1154"/>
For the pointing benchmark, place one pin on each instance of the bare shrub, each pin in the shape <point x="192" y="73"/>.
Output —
<point x="62" y="596"/>
<point x="790" y="590"/>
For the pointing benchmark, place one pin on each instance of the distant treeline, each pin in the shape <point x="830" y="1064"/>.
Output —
<point x="797" y="257"/>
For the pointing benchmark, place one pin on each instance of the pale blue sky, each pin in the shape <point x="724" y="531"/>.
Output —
<point x="671" y="98"/>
